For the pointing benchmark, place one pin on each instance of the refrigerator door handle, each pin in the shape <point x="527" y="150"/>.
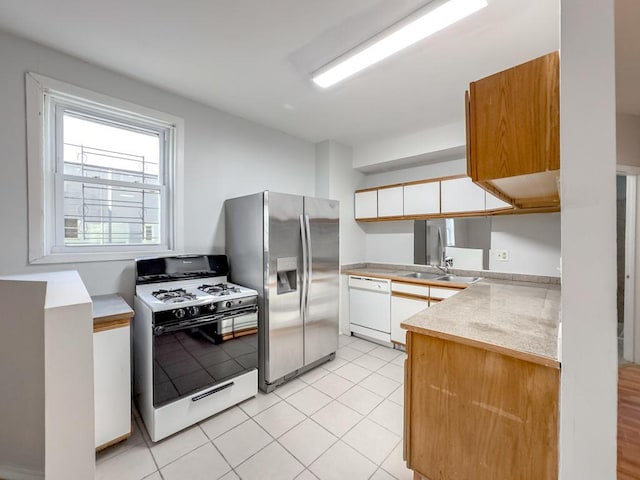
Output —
<point x="305" y="266"/>
<point x="309" y="264"/>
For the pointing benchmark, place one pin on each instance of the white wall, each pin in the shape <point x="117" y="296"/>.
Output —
<point x="532" y="240"/>
<point x="336" y="179"/>
<point x="628" y="139"/>
<point x="588" y="163"/>
<point x="432" y="170"/>
<point x="225" y="156"/>
<point x="406" y="149"/>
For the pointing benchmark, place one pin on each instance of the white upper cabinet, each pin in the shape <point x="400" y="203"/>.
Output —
<point x="461" y="195"/>
<point x="366" y="204"/>
<point x="494" y="203"/>
<point x="390" y="202"/>
<point x="422" y="199"/>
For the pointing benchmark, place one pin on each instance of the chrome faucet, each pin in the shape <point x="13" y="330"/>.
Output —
<point x="447" y="262"/>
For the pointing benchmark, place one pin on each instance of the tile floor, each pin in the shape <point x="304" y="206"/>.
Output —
<point x="342" y="420"/>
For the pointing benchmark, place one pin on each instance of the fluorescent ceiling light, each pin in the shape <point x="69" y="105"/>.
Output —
<point x="394" y="39"/>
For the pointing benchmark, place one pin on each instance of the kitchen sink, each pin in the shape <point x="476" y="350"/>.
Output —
<point x="422" y="275"/>
<point x="442" y="278"/>
<point x="457" y="279"/>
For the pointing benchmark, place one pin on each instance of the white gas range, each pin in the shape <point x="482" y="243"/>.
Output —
<point x="195" y="341"/>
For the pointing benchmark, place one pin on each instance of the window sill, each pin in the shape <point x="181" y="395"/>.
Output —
<point x="53" y="258"/>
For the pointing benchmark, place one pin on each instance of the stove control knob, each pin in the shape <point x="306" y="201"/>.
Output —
<point x="211" y="307"/>
<point x="227" y="304"/>
<point x="179" y="313"/>
<point x="193" y="311"/>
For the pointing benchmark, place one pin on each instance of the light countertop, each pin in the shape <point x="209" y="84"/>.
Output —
<point x="503" y="314"/>
<point x="519" y="319"/>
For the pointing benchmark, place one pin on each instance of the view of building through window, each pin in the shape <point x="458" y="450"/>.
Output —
<point x="106" y="168"/>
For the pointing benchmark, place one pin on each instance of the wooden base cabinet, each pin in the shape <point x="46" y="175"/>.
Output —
<point x="475" y="414"/>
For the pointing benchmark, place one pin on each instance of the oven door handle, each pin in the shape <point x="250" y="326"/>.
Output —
<point x="197" y="322"/>
<point x="211" y="392"/>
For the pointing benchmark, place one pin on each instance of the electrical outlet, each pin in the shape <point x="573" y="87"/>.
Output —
<point x="502" y="255"/>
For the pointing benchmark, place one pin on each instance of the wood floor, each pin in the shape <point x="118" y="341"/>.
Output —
<point x="629" y="422"/>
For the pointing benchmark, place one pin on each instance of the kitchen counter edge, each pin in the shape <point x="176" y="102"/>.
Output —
<point x="515" y="318"/>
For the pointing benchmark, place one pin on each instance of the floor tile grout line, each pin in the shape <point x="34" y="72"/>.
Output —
<point x="183" y="455"/>
<point x="256" y="452"/>
<point x="141" y="425"/>
<point x="359" y="422"/>
<point x="224" y="458"/>
<point x="306" y="467"/>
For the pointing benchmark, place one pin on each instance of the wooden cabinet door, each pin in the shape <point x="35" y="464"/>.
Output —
<point x="366" y="204"/>
<point x="390" y="202"/>
<point x="461" y="195"/>
<point x="515" y="122"/>
<point x="422" y="199"/>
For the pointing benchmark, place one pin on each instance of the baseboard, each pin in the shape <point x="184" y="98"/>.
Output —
<point x="10" y="472"/>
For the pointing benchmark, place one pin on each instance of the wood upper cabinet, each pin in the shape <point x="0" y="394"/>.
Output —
<point x="390" y="201"/>
<point x="513" y="133"/>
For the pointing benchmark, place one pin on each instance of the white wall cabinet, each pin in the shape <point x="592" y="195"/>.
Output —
<point x="422" y="198"/>
<point x="112" y="369"/>
<point x="366" y="204"/>
<point x="494" y="203"/>
<point x="461" y="195"/>
<point x="390" y="202"/>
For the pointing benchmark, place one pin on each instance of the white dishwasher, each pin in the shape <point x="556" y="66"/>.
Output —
<point x="370" y="307"/>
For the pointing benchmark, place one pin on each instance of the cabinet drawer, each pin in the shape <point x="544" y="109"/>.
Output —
<point x="442" y="293"/>
<point x="410" y="288"/>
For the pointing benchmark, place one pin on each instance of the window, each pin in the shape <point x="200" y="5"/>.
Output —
<point x="102" y="175"/>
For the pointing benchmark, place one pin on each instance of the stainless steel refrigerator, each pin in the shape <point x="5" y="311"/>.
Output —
<point x="286" y="247"/>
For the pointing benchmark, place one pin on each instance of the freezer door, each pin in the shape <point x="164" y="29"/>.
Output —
<point x="283" y="327"/>
<point x="321" y="321"/>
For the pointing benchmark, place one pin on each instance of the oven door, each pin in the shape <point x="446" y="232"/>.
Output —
<point x="192" y="356"/>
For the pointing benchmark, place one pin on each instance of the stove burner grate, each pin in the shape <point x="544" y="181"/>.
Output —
<point x="175" y="295"/>
<point x="219" y="289"/>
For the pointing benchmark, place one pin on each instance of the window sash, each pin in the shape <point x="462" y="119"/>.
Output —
<point x="58" y="105"/>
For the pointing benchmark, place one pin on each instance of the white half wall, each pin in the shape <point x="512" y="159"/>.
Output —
<point x="532" y="242"/>
<point x="225" y="156"/>
<point x="588" y="400"/>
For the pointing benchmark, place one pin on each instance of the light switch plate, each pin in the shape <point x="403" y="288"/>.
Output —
<point x="502" y="255"/>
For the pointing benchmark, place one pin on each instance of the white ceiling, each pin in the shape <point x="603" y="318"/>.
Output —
<point x="253" y="58"/>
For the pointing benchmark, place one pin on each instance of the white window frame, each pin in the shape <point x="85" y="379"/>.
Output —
<point x="41" y="162"/>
